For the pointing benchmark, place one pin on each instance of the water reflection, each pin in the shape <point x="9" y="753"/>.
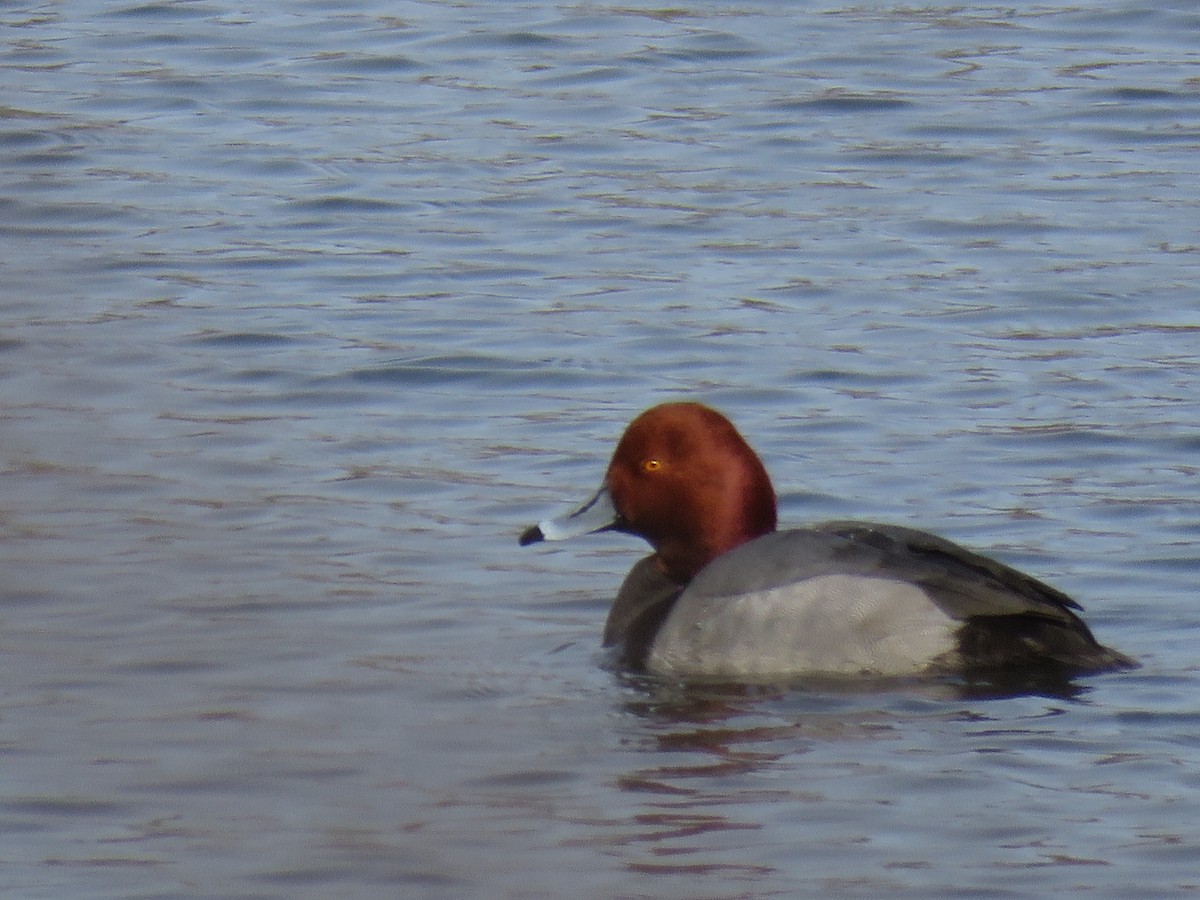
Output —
<point x="712" y="752"/>
<point x="711" y="759"/>
<point x="653" y="695"/>
<point x="705" y="744"/>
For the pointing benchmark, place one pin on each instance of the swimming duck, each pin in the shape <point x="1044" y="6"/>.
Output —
<point x="726" y="595"/>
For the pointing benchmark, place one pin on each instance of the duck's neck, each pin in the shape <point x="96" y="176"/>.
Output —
<point x="718" y="520"/>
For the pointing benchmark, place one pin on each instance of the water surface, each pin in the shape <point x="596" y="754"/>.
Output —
<point x="305" y="313"/>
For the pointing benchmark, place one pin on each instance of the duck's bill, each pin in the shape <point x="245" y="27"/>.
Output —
<point x="598" y="514"/>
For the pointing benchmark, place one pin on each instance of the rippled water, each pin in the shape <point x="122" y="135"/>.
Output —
<point x="304" y="313"/>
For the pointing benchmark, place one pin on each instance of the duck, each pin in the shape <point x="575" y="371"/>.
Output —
<point x="725" y="594"/>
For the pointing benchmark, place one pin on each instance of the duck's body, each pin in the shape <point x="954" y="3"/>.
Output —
<point x="847" y="598"/>
<point x="727" y="596"/>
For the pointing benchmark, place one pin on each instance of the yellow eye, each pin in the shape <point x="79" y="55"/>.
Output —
<point x="651" y="465"/>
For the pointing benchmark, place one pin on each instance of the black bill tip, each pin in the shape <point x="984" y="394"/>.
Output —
<point x="531" y="535"/>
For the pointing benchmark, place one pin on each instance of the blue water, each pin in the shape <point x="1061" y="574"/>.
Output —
<point x="305" y="312"/>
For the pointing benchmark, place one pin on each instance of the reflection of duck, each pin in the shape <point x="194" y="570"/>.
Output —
<point x="726" y="595"/>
